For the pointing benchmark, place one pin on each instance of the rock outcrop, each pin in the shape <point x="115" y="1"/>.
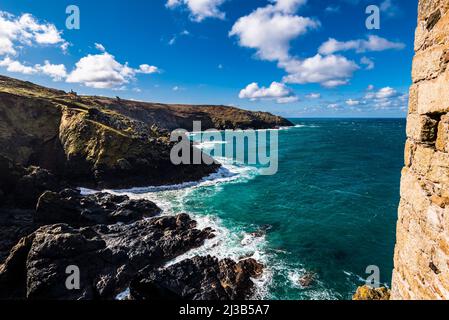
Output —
<point x="53" y="141"/>
<point x="70" y="207"/>
<point x="367" y="293"/>
<point x="421" y="268"/>
<point x="97" y="141"/>
<point x="108" y="257"/>
<point x="200" y="278"/>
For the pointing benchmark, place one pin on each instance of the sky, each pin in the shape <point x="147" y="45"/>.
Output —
<point x="294" y="58"/>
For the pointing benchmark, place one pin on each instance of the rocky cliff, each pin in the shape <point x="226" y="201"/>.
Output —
<point x="106" y="142"/>
<point x="422" y="251"/>
<point x="51" y="140"/>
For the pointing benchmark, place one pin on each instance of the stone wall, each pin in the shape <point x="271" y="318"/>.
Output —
<point x="422" y="249"/>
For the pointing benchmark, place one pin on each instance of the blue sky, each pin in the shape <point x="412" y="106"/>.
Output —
<point x="265" y="55"/>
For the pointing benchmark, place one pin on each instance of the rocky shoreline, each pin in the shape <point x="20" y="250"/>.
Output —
<point x="53" y="142"/>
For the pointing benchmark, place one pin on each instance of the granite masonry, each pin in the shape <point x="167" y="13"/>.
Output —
<point x="422" y="250"/>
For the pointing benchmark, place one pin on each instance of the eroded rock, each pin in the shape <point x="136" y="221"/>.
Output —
<point x="369" y="293"/>
<point x="199" y="278"/>
<point x="108" y="257"/>
<point x="70" y="207"/>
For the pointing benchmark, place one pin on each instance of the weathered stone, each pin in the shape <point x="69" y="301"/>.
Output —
<point x="442" y="143"/>
<point x="413" y="99"/>
<point x="421" y="269"/>
<point x="421" y="128"/>
<point x="200" y="278"/>
<point x="108" y="257"/>
<point x="428" y="64"/>
<point x="369" y="293"/>
<point x="433" y="95"/>
<point x="70" y="207"/>
<point x="433" y="19"/>
<point x="422" y="159"/>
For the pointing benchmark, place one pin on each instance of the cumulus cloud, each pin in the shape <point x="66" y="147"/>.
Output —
<point x="385" y="99"/>
<point x="372" y="43"/>
<point x="330" y="71"/>
<point x="270" y="29"/>
<point x="276" y="91"/>
<point x="351" y="102"/>
<point x="101" y="71"/>
<point x="383" y="93"/>
<point x="199" y="9"/>
<point x="100" y="47"/>
<point x="369" y="64"/>
<point x="16" y="66"/>
<point x="26" y="30"/>
<point x="56" y="71"/>
<point x="147" y="69"/>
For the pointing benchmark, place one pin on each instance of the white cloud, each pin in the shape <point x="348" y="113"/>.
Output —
<point x="270" y="29"/>
<point x="175" y="37"/>
<point x="330" y="71"/>
<point x="276" y="91"/>
<point x="334" y="106"/>
<point x="385" y="98"/>
<point x="200" y="9"/>
<point x="26" y="30"/>
<point x="369" y="64"/>
<point x="351" y="102"/>
<point x="16" y="66"/>
<point x="147" y="69"/>
<point x="56" y="71"/>
<point x="373" y="43"/>
<point x="100" y="47"/>
<point x="313" y="96"/>
<point x="389" y="7"/>
<point x="332" y="9"/>
<point x="383" y="93"/>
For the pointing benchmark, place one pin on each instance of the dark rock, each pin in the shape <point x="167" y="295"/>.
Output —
<point x="70" y="207"/>
<point x="433" y="19"/>
<point x="307" y="280"/>
<point x="103" y="142"/>
<point x="14" y="225"/>
<point x="108" y="257"/>
<point x="35" y="182"/>
<point x="200" y="278"/>
<point x="21" y="187"/>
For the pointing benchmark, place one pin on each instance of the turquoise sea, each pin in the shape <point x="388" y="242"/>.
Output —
<point x="330" y="210"/>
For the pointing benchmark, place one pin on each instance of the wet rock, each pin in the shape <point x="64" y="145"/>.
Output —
<point x="35" y="182"/>
<point x="14" y="225"/>
<point x="369" y="293"/>
<point x="21" y="187"/>
<point x="108" y="257"/>
<point x="307" y="280"/>
<point x="199" y="278"/>
<point x="70" y="207"/>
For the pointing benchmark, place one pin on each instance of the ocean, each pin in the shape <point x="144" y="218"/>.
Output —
<point x="330" y="211"/>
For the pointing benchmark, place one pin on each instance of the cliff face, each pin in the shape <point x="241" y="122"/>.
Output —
<point x="103" y="141"/>
<point x="422" y="250"/>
